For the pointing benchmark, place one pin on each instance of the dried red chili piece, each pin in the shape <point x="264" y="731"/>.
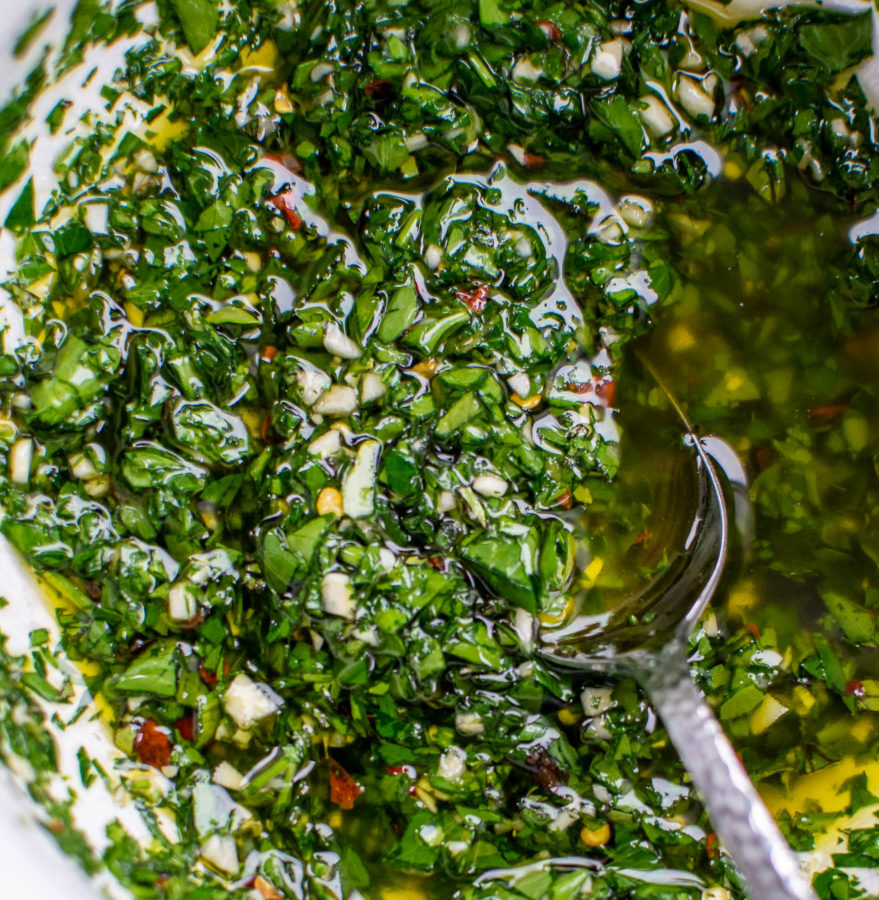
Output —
<point x="764" y="457"/>
<point x="546" y="771"/>
<point x="533" y="160"/>
<point x="152" y="746"/>
<point x="825" y="415"/>
<point x="265" y="431"/>
<point x="564" y="500"/>
<point x="856" y="689"/>
<point x="711" y="845"/>
<point x="379" y="89"/>
<point x="186" y="727"/>
<point x="210" y="678"/>
<point x="344" y="790"/>
<point x="287" y="160"/>
<point x="606" y="391"/>
<point x="195" y="621"/>
<point x="286" y="203"/>
<point x="267" y="889"/>
<point x="550" y="29"/>
<point x="475" y="300"/>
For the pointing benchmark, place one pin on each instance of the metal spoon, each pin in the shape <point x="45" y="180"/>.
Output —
<point x="645" y="637"/>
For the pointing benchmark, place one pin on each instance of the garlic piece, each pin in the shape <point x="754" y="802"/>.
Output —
<point x="339" y="400"/>
<point x="490" y="485"/>
<point x="247" y="701"/>
<point x="337" y="596"/>
<point x="339" y="344"/>
<point x="608" y="59"/>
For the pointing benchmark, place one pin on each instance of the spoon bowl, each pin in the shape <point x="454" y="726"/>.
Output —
<point x="644" y="635"/>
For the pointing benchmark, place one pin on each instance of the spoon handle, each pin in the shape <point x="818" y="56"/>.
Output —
<point x="742" y="822"/>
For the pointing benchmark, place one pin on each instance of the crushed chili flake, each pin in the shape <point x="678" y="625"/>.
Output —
<point x="550" y="29"/>
<point x="475" y="300"/>
<point x="152" y="746"/>
<point x="826" y="415"/>
<point x="210" y="678"/>
<point x="711" y="845"/>
<point x="565" y="500"/>
<point x="265" y="431"/>
<point x="379" y="89"/>
<point x="441" y="565"/>
<point x="195" y="621"/>
<point x="764" y="457"/>
<point x="287" y="160"/>
<point x="533" y="160"/>
<point x="267" y="889"/>
<point x="754" y="629"/>
<point x="344" y="790"/>
<point x="93" y="591"/>
<point x="606" y="391"/>
<point x="604" y="387"/>
<point x="269" y="352"/>
<point x="186" y="727"/>
<point x="546" y="771"/>
<point x="855" y="689"/>
<point x="286" y="204"/>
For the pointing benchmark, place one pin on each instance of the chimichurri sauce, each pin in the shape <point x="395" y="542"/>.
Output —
<point x="318" y="355"/>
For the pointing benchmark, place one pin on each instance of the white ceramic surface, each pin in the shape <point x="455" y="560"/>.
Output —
<point x="32" y="866"/>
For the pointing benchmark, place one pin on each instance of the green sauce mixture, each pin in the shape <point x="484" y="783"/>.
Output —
<point x="323" y="346"/>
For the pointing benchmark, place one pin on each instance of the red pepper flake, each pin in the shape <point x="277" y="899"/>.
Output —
<point x="186" y="727"/>
<point x="855" y="689"/>
<point x="286" y="203"/>
<point x="267" y="889"/>
<point x="755" y="631"/>
<point x="764" y="457"/>
<point x="533" y="160"/>
<point x="210" y="678"/>
<point x="344" y="790"/>
<point x="287" y="160"/>
<point x="264" y="431"/>
<point x="152" y="746"/>
<point x="269" y="352"/>
<point x="441" y="565"/>
<point x="642" y="538"/>
<point x="474" y="301"/>
<point x="604" y="386"/>
<point x="195" y="621"/>
<point x="409" y="771"/>
<point x="564" y="500"/>
<point x="826" y="415"/>
<point x="550" y="29"/>
<point x="379" y="89"/>
<point x="711" y="848"/>
<point x="606" y="391"/>
<point x="545" y="771"/>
